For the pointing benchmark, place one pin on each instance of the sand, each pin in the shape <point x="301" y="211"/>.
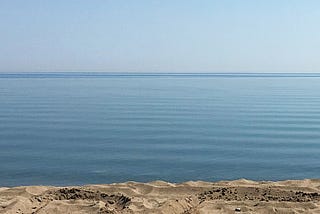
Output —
<point x="239" y="196"/>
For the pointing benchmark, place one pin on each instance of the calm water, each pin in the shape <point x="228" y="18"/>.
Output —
<point x="76" y="129"/>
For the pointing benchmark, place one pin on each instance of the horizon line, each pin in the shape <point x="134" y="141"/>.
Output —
<point x="88" y="74"/>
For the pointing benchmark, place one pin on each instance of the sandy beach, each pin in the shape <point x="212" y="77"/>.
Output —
<point x="239" y="196"/>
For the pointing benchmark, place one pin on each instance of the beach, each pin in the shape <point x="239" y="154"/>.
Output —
<point x="238" y="196"/>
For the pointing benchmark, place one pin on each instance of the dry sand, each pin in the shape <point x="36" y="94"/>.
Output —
<point x="240" y="196"/>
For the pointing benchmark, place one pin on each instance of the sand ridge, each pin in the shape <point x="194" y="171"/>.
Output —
<point x="239" y="196"/>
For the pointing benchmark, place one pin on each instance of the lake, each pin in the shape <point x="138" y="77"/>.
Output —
<point x="81" y="128"/>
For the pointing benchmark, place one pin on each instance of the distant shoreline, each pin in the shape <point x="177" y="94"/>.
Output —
<point x="163" y="197"/>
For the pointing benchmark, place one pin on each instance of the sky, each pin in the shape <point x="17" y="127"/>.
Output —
<point x="160" y="36"/>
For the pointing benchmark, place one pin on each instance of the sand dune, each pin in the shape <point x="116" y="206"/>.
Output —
<point x="240" y="196"/>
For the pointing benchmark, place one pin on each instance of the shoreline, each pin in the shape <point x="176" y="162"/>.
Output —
<point x="240" y="196"/>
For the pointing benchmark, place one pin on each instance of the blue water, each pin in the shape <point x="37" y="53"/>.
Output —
<point x="80" y="128"/>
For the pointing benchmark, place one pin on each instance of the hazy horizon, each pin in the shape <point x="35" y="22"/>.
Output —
<point x="160" y="36"/>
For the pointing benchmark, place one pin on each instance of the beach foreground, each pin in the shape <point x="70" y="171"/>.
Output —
<point x="239" y="196"/>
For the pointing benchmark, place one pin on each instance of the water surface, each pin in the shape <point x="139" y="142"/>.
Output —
<point x="72" y="129"/>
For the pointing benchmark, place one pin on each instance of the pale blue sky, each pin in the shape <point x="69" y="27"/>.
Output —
<point x="160" y="36"/>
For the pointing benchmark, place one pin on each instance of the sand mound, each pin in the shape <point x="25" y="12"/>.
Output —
<point x="241" y="196"/>
<point x="107" y="203"/>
